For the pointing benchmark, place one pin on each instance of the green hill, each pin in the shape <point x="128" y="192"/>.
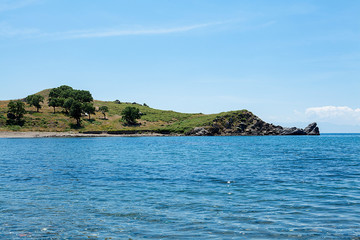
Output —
<point x="151" y="120"/>
<point x="240" y="122"/>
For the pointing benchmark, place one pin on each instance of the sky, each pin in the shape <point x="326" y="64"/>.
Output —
<point x="288" y="62"/>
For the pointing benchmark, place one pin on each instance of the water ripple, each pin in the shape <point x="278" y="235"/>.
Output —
<point x="292" y="187"/>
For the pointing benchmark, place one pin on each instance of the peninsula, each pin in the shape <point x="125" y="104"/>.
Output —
<point x="50" y="119"/>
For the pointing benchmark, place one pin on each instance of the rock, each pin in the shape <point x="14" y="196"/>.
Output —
<point x="293" y="131"/>
<point x="312" y="129"/>
<point x="244" y="123"/>
<point x="199" y="131"/>
<point x="316" y="131"/>
<point x="214" y="130"/>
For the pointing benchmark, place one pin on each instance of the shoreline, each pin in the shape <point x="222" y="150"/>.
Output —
<point x="74" y="134"/>
<point x="9" y="134"/>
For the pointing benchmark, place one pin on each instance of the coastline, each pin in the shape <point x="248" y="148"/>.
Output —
<point x="73" y="134"/>
<point x="9" y="134"/>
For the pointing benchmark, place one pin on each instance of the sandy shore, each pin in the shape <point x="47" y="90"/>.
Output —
<point x="68" y="134"/>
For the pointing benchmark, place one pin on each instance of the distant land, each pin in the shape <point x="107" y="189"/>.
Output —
<point x="152" y="121"/>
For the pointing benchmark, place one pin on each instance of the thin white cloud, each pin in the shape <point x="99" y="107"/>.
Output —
<point x="118" y="32"/>
<point x="7" y="5"/>
<point x="336" y="115"/>
<point x="8" y="31"/>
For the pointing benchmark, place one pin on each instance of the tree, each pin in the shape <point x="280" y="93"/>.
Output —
<point x="35" y="100"/>
<point x="68" y="93"/>
<point x="53" y="103"/>
<point x="61" y="92"/>
<point x="75" y="102"/>
<point x="103" y="110"/>
<point x="68" y="103"/>
<point x="56" y="102"/>
<point x="130" y="114"/>
<point x="16" y="111"/>
<point x="76" y="110"/>
<point x="82" y="96"/>
<point x="89" y="108"/>
<point x="64" y="88"/>
<point x="57" y="97"/>
<point x="54" y="93"/>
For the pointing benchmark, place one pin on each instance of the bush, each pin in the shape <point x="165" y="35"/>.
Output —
<point x="130" y="114"/>
<point x="16" y="111"/>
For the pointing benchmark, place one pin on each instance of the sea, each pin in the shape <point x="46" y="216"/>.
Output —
<point x="236" y="187"/>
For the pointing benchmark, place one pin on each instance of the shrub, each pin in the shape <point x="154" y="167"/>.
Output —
<point x="130" y="114"/>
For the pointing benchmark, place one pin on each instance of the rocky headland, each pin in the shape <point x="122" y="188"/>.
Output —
<point x="245" y="123"/>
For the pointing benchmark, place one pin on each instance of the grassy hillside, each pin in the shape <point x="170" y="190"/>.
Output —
<point x="152" y="119"/>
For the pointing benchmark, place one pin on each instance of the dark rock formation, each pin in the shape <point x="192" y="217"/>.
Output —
<point x="199" y="131"/>
<point x="312" y="129"/>
<point x="244" y="123"/>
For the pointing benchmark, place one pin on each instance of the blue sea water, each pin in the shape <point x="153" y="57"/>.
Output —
<point x="272" y="187"/>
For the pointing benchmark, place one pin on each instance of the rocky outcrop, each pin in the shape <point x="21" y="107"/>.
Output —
<point x="199" y="131"/>
<point x="292" y="131"/>
<point x="244" y="123"/>
<point x="312" y="129"/>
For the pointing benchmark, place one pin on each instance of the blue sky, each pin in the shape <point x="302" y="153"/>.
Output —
<point x="289" y="62"/>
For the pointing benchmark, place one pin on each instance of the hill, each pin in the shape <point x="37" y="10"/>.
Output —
<point x="241" y="122"/>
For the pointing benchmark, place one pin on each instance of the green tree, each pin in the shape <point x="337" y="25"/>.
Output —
<point x="89" y="108"/>
<point x="75" y="102"/>
<point x="16" y="111"/>
<point x="104" y="110"/>
<point x="68" y="103"/>
<point x="82" y="96"/>
<point x="61" y="92"/>
<point x="57" y="97"/>
<point x="68" y="93"/>
<point x="54" y="93"/>
<point x="53" y="103"/>
<point x="130" y="114"/>
<point x="56" y="102"/>
<point x="65" y="88"/>
<point x="35" y="100"/>
<point x="76" y="110"/>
